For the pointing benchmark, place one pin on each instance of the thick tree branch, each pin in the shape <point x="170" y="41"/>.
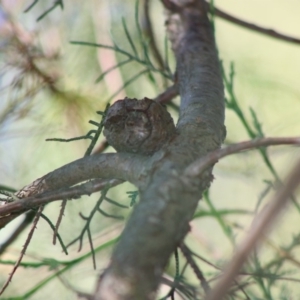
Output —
<point x="124" y="166"/>
<point x="161" y="219"/>
<point x="172" y="179"/>
<point x="117" y="166"/>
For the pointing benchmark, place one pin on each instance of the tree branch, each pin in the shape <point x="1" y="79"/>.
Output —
<point x="161" y="219"/>
<point x="122" y="166"/>
<point x="201" y="164"/>
<point x="11" y="210"/>
<point x="259" y="227"/>
<point x="170" y="93"/>
<point x="28" y="239"/>
<point x="266" y="31"/>
<point x="117" y="166"/>
<point x="188" y="255"/>
<point x="27" y="220"/>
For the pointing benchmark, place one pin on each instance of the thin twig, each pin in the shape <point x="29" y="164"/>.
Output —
<point x="91" y="246"/>
<point x="76" y="192"/>
<point x="259" y="226"/>
<point x="27" y="220"/>
<point x="58" y="236"/>
<point x="67" y="285"/>
<point x="116" y="203"/>
<point x="148" y="30"/>
<point x="200" y="165"/>
<point x="86" y="228"/>
<point x="243" y="273"/>
<point x="269" y="32"/>
<point x="98" y="131"/>
<point x="56" y="3"/>
<point x="61" y="213"/>
<point x="170" y="93"/>
<point x="205" y="260"/>
<point x="171" y="293"/>
<point x="36" y="219"/>
<point x="103" y="145"/>
<point x="105" y="214"/>
<point x="180" y="287"/>
<point x="188" y="255"/>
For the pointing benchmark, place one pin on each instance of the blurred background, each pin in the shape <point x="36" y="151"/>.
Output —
<point x="51" y="88"/>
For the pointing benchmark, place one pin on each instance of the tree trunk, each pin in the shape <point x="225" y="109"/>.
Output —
<point x="168" y="199"/>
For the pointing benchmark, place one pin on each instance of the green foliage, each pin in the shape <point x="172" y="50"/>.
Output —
<point x="227" y="229"/>
<point x="264" y="276"/>
<point x="7" y="189"/>
<point x="50" y="9"/>
<point x="133" y="195"/>
<point x="52" y="226"/>
<point x="232" y="104"/>
<point x="93" y="135"/>
<point x="143" y="60"/>
<point x="139" y="53"/>
<point x="60" y="267"/>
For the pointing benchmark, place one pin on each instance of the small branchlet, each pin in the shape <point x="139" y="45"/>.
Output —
<point x="105" y="214"/>
<point x="44" y="14"/>
<point x="86" y="228"/>
<point x="92" y="135"/>
<point x="133" y="195"/>
<point x="28" y="239"/>
<point x="10" y="196"/>
<point x="190" y="260"/>
<point x="88" y="220"/>
<point x="55" y="233"/>
<point x="59" y="219"/>
<point x="138" y="53"/>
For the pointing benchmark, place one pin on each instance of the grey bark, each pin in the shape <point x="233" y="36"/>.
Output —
<point x="169" y="188"/>
<point x="124" y="166"/>
<point x="168" y="200"/>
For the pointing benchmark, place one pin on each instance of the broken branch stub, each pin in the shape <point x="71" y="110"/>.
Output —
<point x="138" y="126"/>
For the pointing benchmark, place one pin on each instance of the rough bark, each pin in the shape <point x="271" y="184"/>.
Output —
<point x="138" y="126"/>
<point x="168" y="200"/>
<point x="169" y="188"/>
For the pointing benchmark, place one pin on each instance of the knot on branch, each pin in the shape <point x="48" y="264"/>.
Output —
<point x="138" y="126"/>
